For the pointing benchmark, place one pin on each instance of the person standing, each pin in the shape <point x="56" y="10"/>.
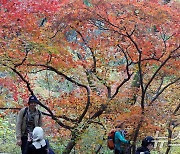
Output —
<point x="119" y="139"/>
<point x="28" y="118"/>
<point x="146" y="146"/>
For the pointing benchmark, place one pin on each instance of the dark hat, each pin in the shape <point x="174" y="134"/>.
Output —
<point x="147" y="140"/>
<point x="33" y="99"/>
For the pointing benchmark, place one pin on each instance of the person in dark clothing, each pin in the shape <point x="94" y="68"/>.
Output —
<point x="37" y="144"/>
<point x="147" y="146"/>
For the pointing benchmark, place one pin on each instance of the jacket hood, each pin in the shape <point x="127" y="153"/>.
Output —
<point x="38" y="138"/>
<point x="38" y="134"/>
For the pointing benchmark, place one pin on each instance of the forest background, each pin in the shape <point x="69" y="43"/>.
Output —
<point x="91" y="63"/>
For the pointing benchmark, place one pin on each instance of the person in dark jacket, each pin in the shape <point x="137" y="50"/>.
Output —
<point x="147" y="146"/>
<point x="37" y="143"/>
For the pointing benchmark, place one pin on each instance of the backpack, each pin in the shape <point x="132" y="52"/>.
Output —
<point x="25" y="111"/>
<point x="110" y="139"/>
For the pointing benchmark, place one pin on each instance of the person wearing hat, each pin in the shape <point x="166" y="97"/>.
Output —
<point x="147" y="145"/>
<point x="27" y="119"/>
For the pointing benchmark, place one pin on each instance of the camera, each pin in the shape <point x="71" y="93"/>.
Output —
<point x="30" y="136"/>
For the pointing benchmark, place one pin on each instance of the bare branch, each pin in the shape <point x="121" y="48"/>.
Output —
<point x="44" y="113"/>
<point x="59" y="73"/>
<point x="49" y="58"/>
<point x="21" y="63"/>
<point x="34" y="72"/>
<point x="55" y="34"/>
<point x="159" y="88"/>
<point x="162" y="64"/>
<point x="133" y="30"/>
<point x="32" y="93"/>
<point x="140" y="70"/>
<point x="127" y="71"/>
<point x="92" y="53"/>
<point x="161" y="91"/>
<point x="99" y="112"/>
<point x="10" y="108"/>
<point x="71" y="80"/>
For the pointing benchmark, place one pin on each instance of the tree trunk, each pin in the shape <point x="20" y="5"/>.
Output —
<point x="170" y="130"/>
<point x="69" y="147"/>
<point x="169" y="138"/>
<point x="136" y="135"/>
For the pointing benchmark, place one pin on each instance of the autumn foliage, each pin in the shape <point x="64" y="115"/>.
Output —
<point x="92" y="61"/>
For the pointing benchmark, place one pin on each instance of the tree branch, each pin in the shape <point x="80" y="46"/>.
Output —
<point x="44" y="113"/>
<point x="127" y="71"/>
<point x="161" y="91"/>
<point x="162" y="64"/>
<point x="32" y="93"/>
<point x="71" y="80"/>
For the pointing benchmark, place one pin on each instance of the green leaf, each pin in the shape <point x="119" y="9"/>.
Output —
<point x="87" y="3"/>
